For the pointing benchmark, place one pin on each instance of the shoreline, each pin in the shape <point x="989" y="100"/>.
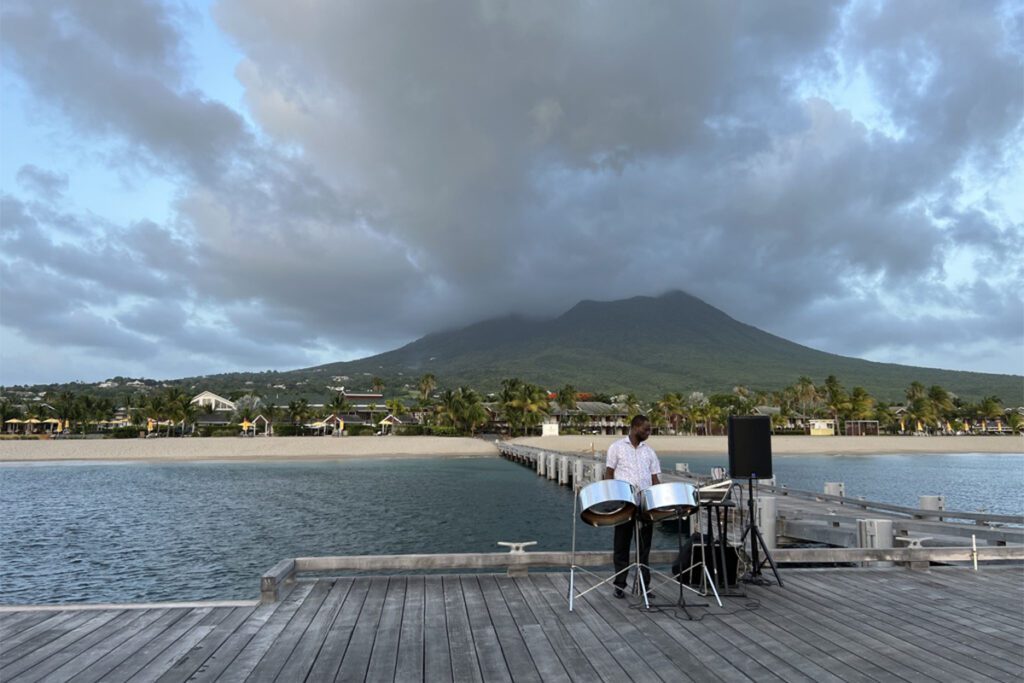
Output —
<point x="237" y="449"/>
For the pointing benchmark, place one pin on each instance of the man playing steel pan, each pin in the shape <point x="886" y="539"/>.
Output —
<point x="631" y="459"/>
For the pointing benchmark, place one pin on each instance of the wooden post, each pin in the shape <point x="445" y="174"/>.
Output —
<point x="563" y="470"/>
<point x="552" y="466"/>
<point x="541" y="461"/>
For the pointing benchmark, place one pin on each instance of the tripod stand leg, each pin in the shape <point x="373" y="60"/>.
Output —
<point x="639" y="565"/>
<point x="767" y="556"/>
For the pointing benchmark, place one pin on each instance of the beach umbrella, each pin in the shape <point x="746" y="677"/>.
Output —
<point x="13" y="421"/>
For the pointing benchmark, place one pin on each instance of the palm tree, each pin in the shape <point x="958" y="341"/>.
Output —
<point x="862" y="405"/>
<point x="836" y="400"/>
<point x="471" y="413"/>
<point x="8" y="411"/>
<point x="298" y="410"/>
<point x="426" y="385"/>
<point x="566" y="397"/>
<point x="338" y="403"/>
<point x="85" y="410"/>
<point x="942" y="403"/>
<point x="377" y="384"/>
<point x="671" y="407"/>
<point x="806" y="394"/>
<point x="395" y="407"/>
<point x="64" y="408"/>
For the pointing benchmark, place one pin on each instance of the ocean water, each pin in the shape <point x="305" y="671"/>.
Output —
<point x="128" y="532"/>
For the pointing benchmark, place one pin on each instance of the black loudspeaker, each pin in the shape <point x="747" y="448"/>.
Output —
<point x="750" y="446"/>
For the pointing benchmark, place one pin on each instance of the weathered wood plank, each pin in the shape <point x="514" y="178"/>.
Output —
<point x="895" y="655"/>
<point x="302" y="658"/>
<point x="662" y="628"/>
<point x="928" y="605"/>
<point x="609" y="626"/>
<point x="49" y="643"/>
<point x="520" y="663"/>
<point x="265" y="654"/>
<point x="541" y="649"/>
<point x="958" y="645"/>
<point x="236" y="657"/>
<point x="84" y="651"/>
<point x="39" y="634"/>
<point x="460" y="639"/>
<point x="578" y="632"/>
<point x="575" y="661"/>
<point x="360" y="646"/>
<point x="489" y="654"/>
<point x="409" y="664"/>
<point x="12" y="623"/>
<point x="145" y="655"/>
<point x="329" y="659"/>
<point x="139" y="637"/>
<point x="384" y="655"/>
<point x="437" y="659"/>
<point x="191" y="661"/>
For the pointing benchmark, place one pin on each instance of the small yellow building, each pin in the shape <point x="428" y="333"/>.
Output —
<point x="825" y="427"/>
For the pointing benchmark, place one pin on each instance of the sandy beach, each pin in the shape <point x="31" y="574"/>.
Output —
<point x="329" y="448"/>
<point x="238" y="448"/>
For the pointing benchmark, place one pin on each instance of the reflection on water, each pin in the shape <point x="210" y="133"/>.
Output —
<point x="134" y="532"/>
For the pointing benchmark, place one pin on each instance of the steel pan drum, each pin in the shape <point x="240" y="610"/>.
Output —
<point x="609" y="502"/>
<point x="668" y="500"/>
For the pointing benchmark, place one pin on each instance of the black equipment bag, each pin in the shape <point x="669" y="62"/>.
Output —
<point x="690" y="554"/>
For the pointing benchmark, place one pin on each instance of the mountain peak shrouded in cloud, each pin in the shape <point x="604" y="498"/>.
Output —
<point x="195" y="188"/>
<point x="647" y="345"/>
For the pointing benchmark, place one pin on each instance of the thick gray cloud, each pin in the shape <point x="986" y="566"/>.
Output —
<point x="415" y="166"/>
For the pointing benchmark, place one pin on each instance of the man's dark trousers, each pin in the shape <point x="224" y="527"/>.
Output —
<point x="623" y="541"/>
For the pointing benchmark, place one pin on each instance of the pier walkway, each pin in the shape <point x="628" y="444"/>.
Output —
<point x="856" y="624"/>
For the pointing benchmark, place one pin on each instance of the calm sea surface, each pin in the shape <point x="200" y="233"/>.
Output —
<point x="105" y="532"/>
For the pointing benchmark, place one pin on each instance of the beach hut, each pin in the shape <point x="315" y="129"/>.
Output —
<point x="13" y="425"/>
<point x="266" y="425"/>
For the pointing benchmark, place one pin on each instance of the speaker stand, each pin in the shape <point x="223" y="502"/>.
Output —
<point x="757" y="540"/>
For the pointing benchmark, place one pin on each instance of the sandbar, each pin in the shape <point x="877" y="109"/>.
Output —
<point x="352" y="447"/>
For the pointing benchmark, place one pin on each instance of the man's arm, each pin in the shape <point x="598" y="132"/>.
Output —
<point x="654" y="480"/>
<point x="609" y="473"/>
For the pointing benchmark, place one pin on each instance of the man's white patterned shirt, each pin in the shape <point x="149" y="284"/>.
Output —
<point x="635" y="465"/>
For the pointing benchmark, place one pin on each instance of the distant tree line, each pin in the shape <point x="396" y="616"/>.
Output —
<point x="523" y="406"/>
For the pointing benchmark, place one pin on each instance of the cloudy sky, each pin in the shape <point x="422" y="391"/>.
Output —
<point x="193" y="187"/>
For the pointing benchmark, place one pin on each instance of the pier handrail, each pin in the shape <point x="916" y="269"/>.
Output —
<point x="285" y="571"/>
<point x="979" y="517"/>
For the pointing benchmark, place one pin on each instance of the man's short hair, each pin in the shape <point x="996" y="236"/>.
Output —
<point x="637" y="421"/>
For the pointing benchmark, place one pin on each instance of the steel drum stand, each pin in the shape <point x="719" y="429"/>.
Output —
<point x="573" y="568"/>
<point x="705" y="580"/>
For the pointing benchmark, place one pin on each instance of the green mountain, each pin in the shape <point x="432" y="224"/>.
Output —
<point x="647" y="345"/>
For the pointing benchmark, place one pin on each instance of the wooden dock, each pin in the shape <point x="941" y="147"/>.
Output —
<point x="946" y="624"/>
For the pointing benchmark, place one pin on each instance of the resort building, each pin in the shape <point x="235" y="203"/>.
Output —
<point x="212" y="402"/>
